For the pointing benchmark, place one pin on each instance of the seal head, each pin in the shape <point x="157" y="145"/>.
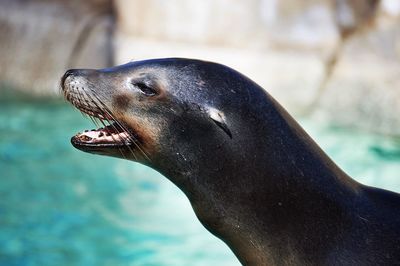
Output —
<point x="149" y="109"/>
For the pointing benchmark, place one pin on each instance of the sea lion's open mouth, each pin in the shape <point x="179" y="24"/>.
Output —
<point x="114" y="135"/>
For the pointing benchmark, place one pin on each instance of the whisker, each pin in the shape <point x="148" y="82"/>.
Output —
<point x="79" y="97"/>
<point x="91" y="106"/>
<point x="112" y="124"/>
<point x="118" y="123"/>
<point x="83" y="98"/>
<point x="130" y="136"/>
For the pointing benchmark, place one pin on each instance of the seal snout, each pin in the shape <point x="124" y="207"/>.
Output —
<point x="70" y="74"/>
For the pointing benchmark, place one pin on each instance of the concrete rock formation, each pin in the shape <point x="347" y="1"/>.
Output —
<point x="280" y="44"/>
<point x="42" y="38"/>
<point x="334" y="59"/>
<point x="364" y="88"/>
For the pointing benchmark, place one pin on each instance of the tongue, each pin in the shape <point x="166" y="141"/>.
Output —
<point x="93" y="134"/>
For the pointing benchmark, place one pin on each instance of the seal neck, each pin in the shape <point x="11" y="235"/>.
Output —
<point x="281" y="194"/>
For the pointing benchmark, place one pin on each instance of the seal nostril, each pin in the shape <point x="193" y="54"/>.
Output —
<point x="85" y="73"/>
<point x="68" y="73"/>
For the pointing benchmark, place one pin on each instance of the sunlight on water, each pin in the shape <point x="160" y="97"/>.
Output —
<point x="59" y="206"/>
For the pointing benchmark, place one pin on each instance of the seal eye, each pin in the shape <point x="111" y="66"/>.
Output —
<point x="148" y="91"/>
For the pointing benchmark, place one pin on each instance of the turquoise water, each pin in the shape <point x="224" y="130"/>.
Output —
<point x="59" y="206"/>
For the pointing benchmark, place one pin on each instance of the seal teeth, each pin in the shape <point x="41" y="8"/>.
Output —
<point x="112" y="135"/>
<point x="85" y="138"/>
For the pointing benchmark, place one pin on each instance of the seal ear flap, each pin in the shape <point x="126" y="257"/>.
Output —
<point x="218" y="118"/>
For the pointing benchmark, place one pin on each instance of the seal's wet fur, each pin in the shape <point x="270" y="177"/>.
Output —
<point x="255" y="179"/>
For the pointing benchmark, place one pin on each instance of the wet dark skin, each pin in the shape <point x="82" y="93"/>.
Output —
<point x="254" y="177"/>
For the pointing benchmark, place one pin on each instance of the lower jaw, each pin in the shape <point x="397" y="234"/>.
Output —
<point x="113" y="150"/>
<point x="81" y="145"/>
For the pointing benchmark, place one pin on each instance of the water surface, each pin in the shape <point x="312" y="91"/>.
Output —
<point x="60" y="206"/>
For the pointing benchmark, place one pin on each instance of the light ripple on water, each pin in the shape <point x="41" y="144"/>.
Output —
<point x="59" y="206"/>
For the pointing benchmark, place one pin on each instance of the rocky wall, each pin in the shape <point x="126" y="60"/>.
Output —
<point x="41" y="39"/>
<point x="364" y="88"/>
<point x="337" y="60"/>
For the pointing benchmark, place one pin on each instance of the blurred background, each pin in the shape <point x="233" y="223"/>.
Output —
<point x="333" y="64"/>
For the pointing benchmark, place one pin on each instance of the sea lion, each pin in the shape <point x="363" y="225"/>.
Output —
<point x="254" y="177"/>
